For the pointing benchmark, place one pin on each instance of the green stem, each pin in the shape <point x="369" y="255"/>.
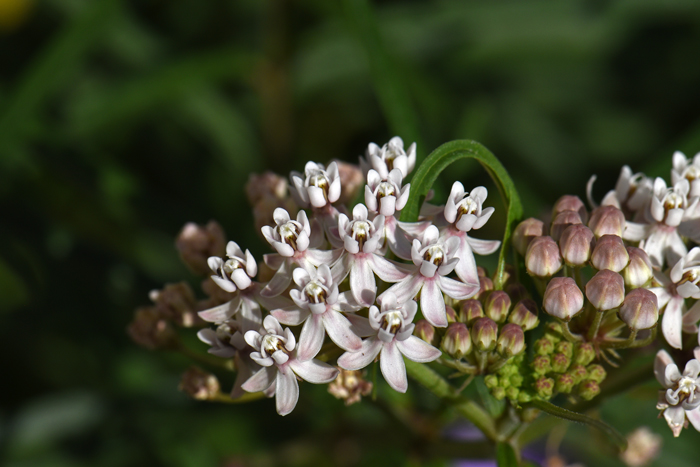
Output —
<point x="566" y="332"/>
<point x="593" y="330"/>
<point x="247" y="397"/>
<point x="620" y="344"/>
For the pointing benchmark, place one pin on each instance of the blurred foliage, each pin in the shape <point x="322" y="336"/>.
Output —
<point x="122" y="120"/>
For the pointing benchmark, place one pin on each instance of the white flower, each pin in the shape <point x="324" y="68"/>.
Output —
<point x="318" y="304"/>
<point x="360" y="257"/>
<point x="386" y="196"/>
<point x="391" y="338"/>
<point x="317" y="187"/>
<point x="632" y="192"/>
<point x="682" y="396"/>
<point x="236" y="272"/>
<point x="389" y="157"/>
<point x="433" y="259"/>
<point x="275" y="352"/>
<point x="684" y="168"/>
<point x="465" y="212"/>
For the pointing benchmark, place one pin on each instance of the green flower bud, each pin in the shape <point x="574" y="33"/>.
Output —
<point x="497" y="306"/>
<point x="527" y="414"/>
<point x="484" y="334"/>
<point x="542" y="364"/>
<point x="512" y="393"/>
<point x="498" y="393"/>
<point x="456" y="342"/>
<point x="578" y="372"/>
<point x="560" y="363"/>
<point x="470" y="311"/>
<point x="516" y="380"/>
<point x="588" y="389"/>
<point x="507" y="370"/>
<point x="511" y="341"/>
<point x="596" y="373"/>
<point x="524" y="397"/>
<point x="565" y="383"/>
<point x="525" y="232"/>
<point x="585" y="353"/>
<point x="544" y="387"/>
<point x="525" y="314"/>
<point x="565" y="347"/>
<point x="425" y="331"/>
<point x="491" y="381"/>
<point x="553" y="332"/>
<point x="544" y="346"/>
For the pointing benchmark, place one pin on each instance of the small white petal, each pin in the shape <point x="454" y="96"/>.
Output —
<point x="418" y="350"/>
<point x="432" y="304"/>
<point x="360" y="359"/>
<point x="457" y="289"/>
<point x="279" y="282"/>
<point x="311" y="338"/>
<point x="291" y="316"/>
<point x="221" y="313"/>
<point x="483" y="247"/>
<point x="360" y="325"/>
<point x="386" y="270"/>
<point x="339" y="329"/>
<point x="393" y="368"/>
<point x="672" y="322"/>
<point x="362" y="282"/>
<point x="260" y="380"/>
<point x="314" y="371"/>
<point x="287" y="391"/>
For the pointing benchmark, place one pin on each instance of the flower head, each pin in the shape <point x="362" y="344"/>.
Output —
<point x="681" y="398"/>
<point x="235" y="272"/>
<point x="317" y="187"/>
<point x="389" y="157"/>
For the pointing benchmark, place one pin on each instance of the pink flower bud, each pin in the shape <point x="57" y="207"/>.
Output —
<point x="562" y="298"/>
<point x="497" y="306"/>
<point x="576" y="244"/>
<point x="610" y="253"/>
<point x="196" y="243"/>
<point x="571" y="203"/>
<point x="425" y="331"/>
<point x="525" y="314"/>
<point x="484" y="334"/>
<point x="638" y="272"/>
<point x="451" y="314"/>
<point x="511" y="341"/>
<point x="470" y="311"/>
<point x="199" y="384"/>
<point x="457" y="342"/>
<point x="485" y="286"/>
<point x="607" y="220"/>
<point x="351" y="179"/>
<point x="516" y="291"/>
<point x="640" y="310"/>
<point x="525" y="232"/>
<point x="150" y="329"/>
<point x="606" y="290"/>
<point x="563" y="220"/>
<point x="542" y="258"/>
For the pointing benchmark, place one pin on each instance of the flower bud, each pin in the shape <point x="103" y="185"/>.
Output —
<point x="481" y="271"/>
<point x="542" y="364"/>
<point x="516" y="291"/>
<point x="484" y="334"/>
<point x="485" y="286"/>
<point x="499" y="393"/>
<point x="497" y="306"/>
<point x="525" y="314"/>
<point x="562" y="221"/>
<point x="425" y="331"/>
<point x="562" y="298"/>
<point x="553" y="331"/>
<point x="351" y="179"/>
<point x="199" y="384"/>
<point x="177" y="303"/>
<point x="525" y="232"/>
<point x="588" y="389"/>
<point x="560" y="362"/>
<point x="575" y="244"/>
<point x="578" y="372"/>
<point x="606" y="290"/>
<point x="565" y="383"/>
<point x="544" y="346"/>
<point x="524" y="397"/>
<point x="542" y="258"/>
<point x="512" y="393"/>
<point x="596" y="373"/>
<point x="640" y="310"/>
<point x="607" y="220"/>
<point x="584" y="354"/>
<point x="565" y="347"/>
<point x="196" y="243"/>
<point x="571" y="203"/>
<point x="516" y="380"/>
<point x="544" y="387"/>
<point x="151" y="330"/>
<point x="451" y="314"/>
<point x="511" y="341"/>
<point x="610" y="253"/>
<point x="638" y="272"/>
<point x="491" y="381"/>
<point x="470" y="311"/>
<point x="350" y="385"/>
<point x="456" y="342"/>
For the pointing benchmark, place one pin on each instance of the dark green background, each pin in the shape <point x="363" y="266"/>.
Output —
<point x="122" y="120"/>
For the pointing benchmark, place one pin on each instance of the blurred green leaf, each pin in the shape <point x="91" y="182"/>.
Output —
<point x="505" y="455"/>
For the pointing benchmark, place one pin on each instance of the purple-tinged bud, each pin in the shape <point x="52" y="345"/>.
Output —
<point x="640" y="310"/>
<point x="576" y="244"/>
<point x="606" y="290"/>
<point x="542" y="364"/>
<point x="638" y="272"/>
<point x="456" y="342"/>
<point x="350" y="385"/>
<point x="565" y="383"/>
<point x="578" y="372"/>
<point x="585" y="353"/>
<point x="511" y="341"/>
<point x="470" y="311"/>
<point x="351" y="179"/>
<point x="512" y="393"/>
<point x="607" y="220"/>
<point x="484" y="334"/>
<point x="508" y="273"/>
<point x="562" y="221"/>
<point x="498" y="393"/>
<point x="525" y="232"/>
<point x="544" y="387"/>
<point x="516" y="291"/>
<point x="497" y="306"/>
<point x="588" y="389"/>
<point x="451" y="314"/>
<point x="596" y="373"/>
<point x="199" y="384"/>
<point x="150" y="329"/>
<point x="525" y="314"/>
<point x="491" y="381"/>
<point x="485" y="286"/>
<point x="425" y="331"/>
<point x="481" y="272"/>
<point x="544" y="346"/>
<point x="571" y="203"/>
<point x="565" y="347"/>
<point x="197" y="243"/>
<point x="562" y="298"/>
<point x="560" y="362"/>
<point x="542" y="258"/>
<point x="610" y="253"/>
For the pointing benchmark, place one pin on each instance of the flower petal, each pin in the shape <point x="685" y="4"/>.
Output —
<point x="221" y="313"/>
<point x="483" y="247"/>
<point x="311" y="338"/>
<point x="418" y="350"/>
<point x="672" y="322"/>
<point x="287" y="391"/>
<point x="362" y="282"/>
<point x="432" y="304"/>
<point x="291" y="316"/>
<point x="260" y="380"/>
<point x="388" y="271"/>
<point x="340" y="332"/>
<point x="456" y="289"/>
<point x="393" y="368"/>
<point x="360" y="359"/>
<point x="279" y="282"/>
<point x="466" y="267"/>
<point x="314" y="371"/>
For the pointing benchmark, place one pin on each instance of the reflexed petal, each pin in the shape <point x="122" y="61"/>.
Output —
<point x="311" y="338"/>
<point x="692" y="316"/>
<point x="346" y="302"/>
<point x="221" y="313"/>
<point x="274" y="260"/>
<point x="399" y="241"/>
<point x="432" y="304"/>
<point x="360" y="325"/>
<point x="466" y="268"/>
<point x="388" y="271"/>
<point x="414" y="228"/>
<point x="250" y="314"/>
<point x="360" y="359"/>
<point x="675" y="248"/>
<point x="260" y="380"/>
<point x="662" y="360"/>
<point x="393" y="368"/>
<point x="314" y="371"/>
<point x="418" y="350"/>
<point x="456" y="289"/>
<point x="340" y="331"/>
<point x="279" y="282"/>
<point x="675" y="417"/>
<point x="362" y="283"/>
<point x="483" y="247"/>
<point x="286" y="392"/>
<point x="291" y="316"/>
<point x="407" y="289"/>
<point x="694" y="417"/>
<point x="672" y="322"/>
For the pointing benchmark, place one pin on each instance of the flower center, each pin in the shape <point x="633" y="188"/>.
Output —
<point x="315" y="292"/>
<point x="392" y="321"/>
<point x="673" y="201"/>
<point x="385" y="189"/>
<point x="467" y="206"/>
<point x="320" y="180"/>
<point x="691" y="173"/>
<point x="289" y="231"/>
<point x="231" y="265"/>
<point x="271" y="344"/>
<point x="224" y="332"/>
<point x="435" y="254"/>
<point x="361" y="232"/>
<point x="691" y="275"/>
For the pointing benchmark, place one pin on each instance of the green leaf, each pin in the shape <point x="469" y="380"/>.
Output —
<point x="611" y="432"/>
<point x="439" y="160"/>
<point x="505" y="455"/>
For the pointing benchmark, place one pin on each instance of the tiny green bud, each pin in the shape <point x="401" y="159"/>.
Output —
<point x="525" y="397"/>
<point x="565" y="383"/>
<point x="585" y="353"/>
<point x="542" y="364"/>
<point x="544" y="346"/>
<point x="425" y="331"/>
<point x="596" y="373"/>
<point x="491" y="381"/>
<point x="527" y="414"/>
<point x="588" y="389"/>
<point x="578" y="372"/>
<point x="516" y="380"/>
<point x="507" y="370"/>
<point x="470" y="311"/>
<point x="484" y="334"/>
<point x="498" y="393"/>
<point x="456" y="342"/>
<point x="497" y="306"/>
<point x="565" y="347"/>
<point x="511" y="341"/>
<point x="560" y="363"/>
<point x="544" y="387"/>
<point x="512" y="393"/>
<point x="553" y="332"/>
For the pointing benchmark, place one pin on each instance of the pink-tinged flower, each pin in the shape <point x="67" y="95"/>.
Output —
<point x="631" y="194"/>
<point x="679" y="284"/>
<point x="274" y="350"/>
<point x="316" y="187"/>
<point x="318" y="304"/>
<point x="391" y="338"/>
<point x="433" y="260"/>
<point x="360" y="256"/>
<point x="681" y="400"/>
<point x="389" y="157"/>
<point x="296" y="243"/>
<point x="684" y="168"/>
<point x="464" y="212"/>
